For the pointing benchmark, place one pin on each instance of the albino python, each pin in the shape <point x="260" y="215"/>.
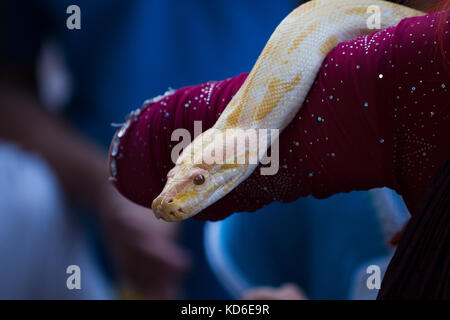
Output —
<point x="269" y="99"/>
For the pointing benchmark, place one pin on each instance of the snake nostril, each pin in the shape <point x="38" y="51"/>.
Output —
<point x="170" y="200"/>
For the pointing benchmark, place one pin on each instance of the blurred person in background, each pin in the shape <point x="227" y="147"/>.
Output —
<point x="124" y="52"/>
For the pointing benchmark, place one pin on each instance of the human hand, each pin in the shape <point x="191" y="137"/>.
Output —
<point x="285" y="292"/>
<point x="144" y="247"/>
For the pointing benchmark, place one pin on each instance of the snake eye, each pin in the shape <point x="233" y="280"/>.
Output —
<point x="199" y="179"/>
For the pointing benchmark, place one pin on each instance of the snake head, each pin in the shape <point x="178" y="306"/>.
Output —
<point x="193" y="185"/>
<point x="190" y="189"/>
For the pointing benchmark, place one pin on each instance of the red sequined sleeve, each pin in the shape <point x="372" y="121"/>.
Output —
<point x="377" y="115"/>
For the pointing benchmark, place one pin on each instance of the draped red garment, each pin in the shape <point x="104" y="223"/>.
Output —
<point x="377" y="115"/>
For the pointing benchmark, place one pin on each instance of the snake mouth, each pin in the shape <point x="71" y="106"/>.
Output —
<point x="167" y="209"/>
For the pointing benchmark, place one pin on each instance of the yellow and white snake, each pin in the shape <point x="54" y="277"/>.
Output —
<point x="269" y="99"/>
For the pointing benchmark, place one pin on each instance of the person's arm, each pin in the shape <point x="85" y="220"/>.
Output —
<point x="334" y="144"/>
<point x="352" y="133"/>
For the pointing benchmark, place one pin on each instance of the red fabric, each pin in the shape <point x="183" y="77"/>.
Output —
<point x="378" y="115"/>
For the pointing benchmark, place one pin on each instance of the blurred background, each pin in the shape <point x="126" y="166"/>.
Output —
<point x="61" y="89"/>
